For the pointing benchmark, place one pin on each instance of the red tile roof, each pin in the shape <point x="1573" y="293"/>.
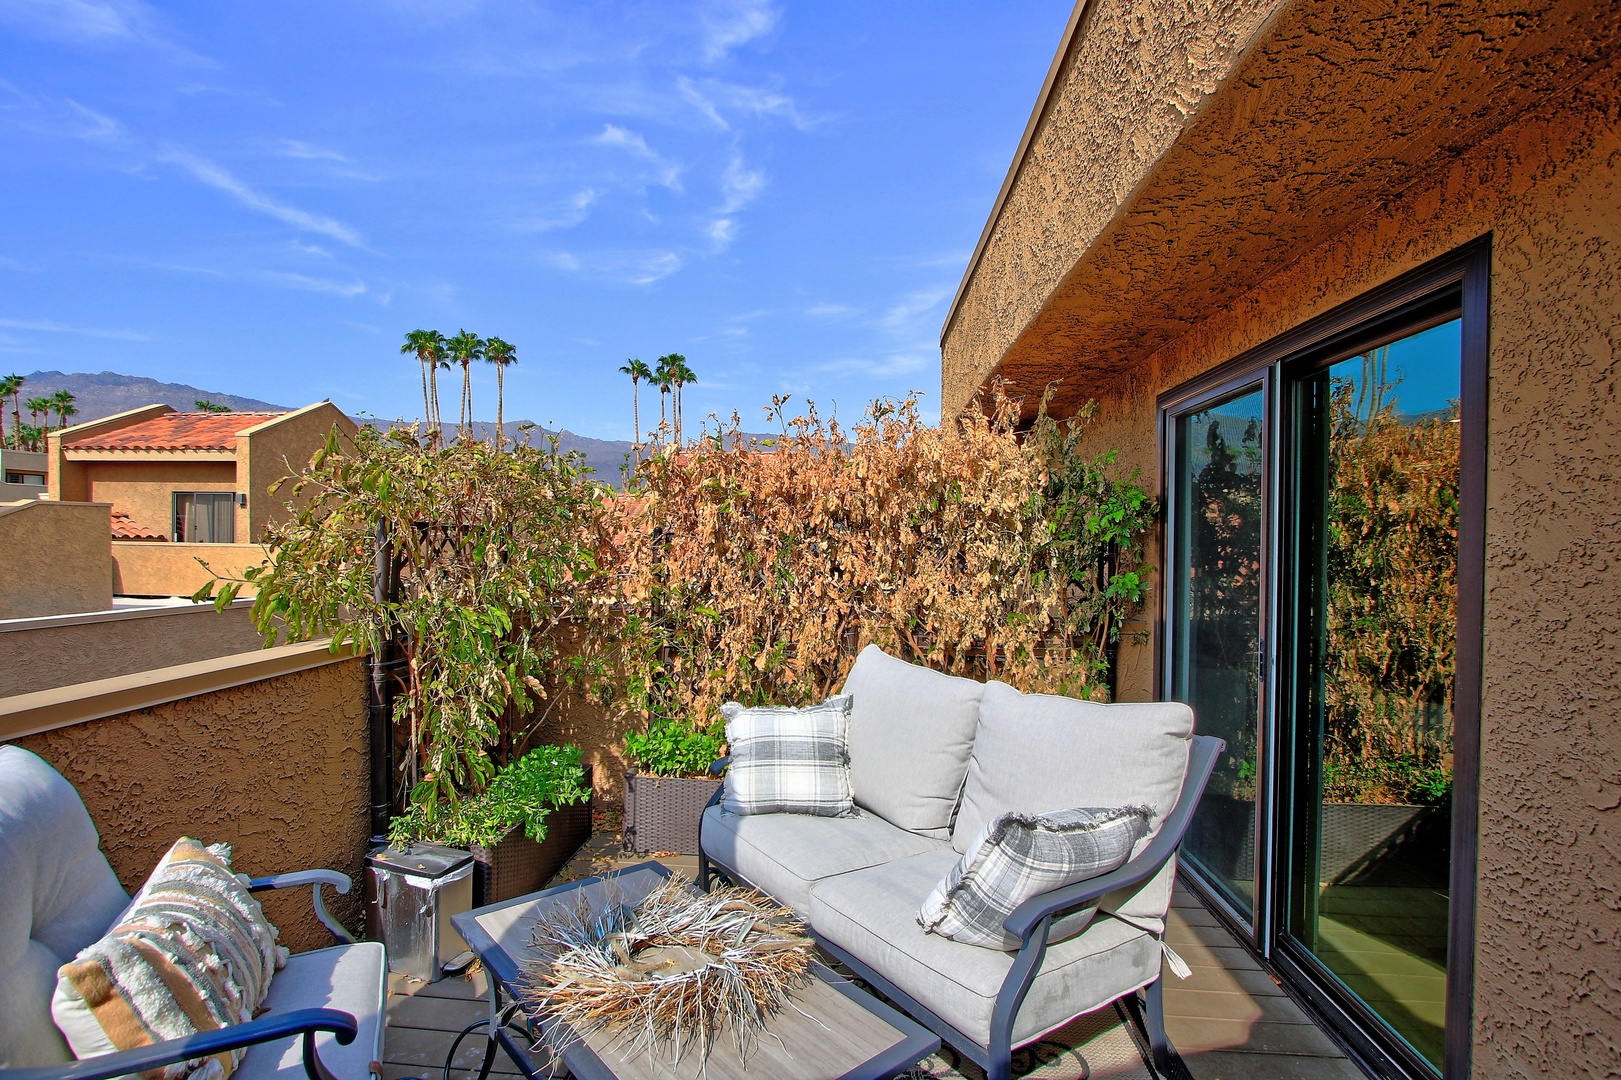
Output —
<point x="177" y="431"/>
<point x="127" y="528"/>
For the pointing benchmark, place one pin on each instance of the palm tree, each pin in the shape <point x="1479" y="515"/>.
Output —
<point x="464" y="348"/>
<point x="637" y="372"/>
<point x="29" y="437"/>
<point x="10" y="387"/>
<point x="661" y="378"/>
<point x="62" y="404"/>
<point x="37" y="407"/>
<point x="428" y="346"/>
<point x="680" y="375"/>
<point x="210" y="406"/>
<point x="500" y="353"/>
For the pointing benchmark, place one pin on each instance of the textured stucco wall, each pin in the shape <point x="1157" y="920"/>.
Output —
<point x="277" y="768"/>
<point x="1548" y="187"/>
<point x="164" y="568"/>
<point x="54" y="559"/>
<point x="43" y="657"/>
<point x="145" y="489"/>
<point x="1139" y="71"/>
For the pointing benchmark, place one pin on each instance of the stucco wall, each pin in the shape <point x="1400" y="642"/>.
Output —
<point x="67" y="651"/>
<point x="278" y="450"/>
<point x="277" y="768"/>
<point x="1548" y="188"/>
<point x="53" y="558"/>
<point x="164" y="568"/>
<point x="145" y="489"/>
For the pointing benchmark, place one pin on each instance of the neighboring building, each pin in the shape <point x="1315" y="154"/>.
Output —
<point x="1267" y="237"/>
<point x="22" y="475"/>
<point x="185" y="486"/>
<point x="53" y="561"/>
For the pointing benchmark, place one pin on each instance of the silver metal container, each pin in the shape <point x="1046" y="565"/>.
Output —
<point x="412" y="891"/>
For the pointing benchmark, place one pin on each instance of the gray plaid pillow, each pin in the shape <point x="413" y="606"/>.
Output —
<point x="1017" y="856"/>
<point x="788" y="761"/>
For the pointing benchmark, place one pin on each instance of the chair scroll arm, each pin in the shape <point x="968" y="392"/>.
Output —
<point x="1201" y="763"/>
<point x="267" y="1028"/>
<point x="719" y="766"/>
<point x="316" y="878"/>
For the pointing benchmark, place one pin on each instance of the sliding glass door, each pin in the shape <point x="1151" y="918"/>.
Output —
<point x="1324" y="569"/>
<point x="1373" y="470"/>
<point x="1215" y="620"/>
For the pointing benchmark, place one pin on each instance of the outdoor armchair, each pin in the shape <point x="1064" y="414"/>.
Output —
<point x="323" y="1017"/>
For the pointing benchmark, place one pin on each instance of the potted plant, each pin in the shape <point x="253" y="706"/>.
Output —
<point x="668" y="785"/>
<point x="522" y="828"/>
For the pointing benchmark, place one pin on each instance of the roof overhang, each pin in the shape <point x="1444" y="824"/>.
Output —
<point x="1332" y="111"/>
<point x="137" y="455"/>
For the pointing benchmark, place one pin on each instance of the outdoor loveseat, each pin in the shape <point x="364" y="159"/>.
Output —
<point x="932" y="758"/>
<point x="324" y="1013"/>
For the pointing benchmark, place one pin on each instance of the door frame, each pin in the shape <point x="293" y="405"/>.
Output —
<point x="1466" y="273"/>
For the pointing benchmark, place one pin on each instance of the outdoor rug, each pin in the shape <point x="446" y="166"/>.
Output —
<point x="1102" y="1044"/>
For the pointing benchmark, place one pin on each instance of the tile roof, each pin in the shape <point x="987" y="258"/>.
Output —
<point x="176" y="431"/>
<point x="127" y="528"/>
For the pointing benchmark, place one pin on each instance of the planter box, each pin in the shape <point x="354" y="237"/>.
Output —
<point x="662" y="812"/>
<point x="516" y="865"/>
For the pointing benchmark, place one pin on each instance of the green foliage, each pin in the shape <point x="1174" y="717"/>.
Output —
<point x="494" y="553"/>
<point x="523" y="793"/>
<point x="671" y="748"/>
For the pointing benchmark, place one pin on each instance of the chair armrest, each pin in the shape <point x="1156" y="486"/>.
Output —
<point x="316" y="878"/>
<point x="719" y="766"/>
<point x="1201" y="763"/>
<point x="267" y="1028"/>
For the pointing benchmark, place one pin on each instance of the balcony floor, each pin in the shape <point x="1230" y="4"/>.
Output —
<point x="1230" y="1020"/>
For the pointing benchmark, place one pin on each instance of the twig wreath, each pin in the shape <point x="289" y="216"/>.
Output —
<point x="674" y="973"/>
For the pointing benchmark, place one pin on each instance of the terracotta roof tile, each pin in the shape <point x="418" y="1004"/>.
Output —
<point x="177" y="431"/>
<point x="127" y="528"/>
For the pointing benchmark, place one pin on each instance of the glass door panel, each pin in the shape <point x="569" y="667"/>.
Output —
<point x="1215" y="622"/>
<point x="1374" y="486"/>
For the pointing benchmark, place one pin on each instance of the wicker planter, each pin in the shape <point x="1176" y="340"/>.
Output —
<point x="662" y="812"/>
<point x="516" y="865"/>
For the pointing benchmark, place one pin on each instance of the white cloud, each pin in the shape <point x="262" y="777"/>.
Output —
<point x="668" y="173"/>
<point x="215" y="177"/>
<point x="722" y="231"/>
<point x="574" y="210"/>
<point x="95" y="23"/>
<point x="729" y="25"/>
<point x="303" y="151"/>
<point x="344" y="289"/>
<point x="47" y="326"/>
<point x="739" y="185"/>
<point x="624" y="267"/>
<point x="101" y="126"/>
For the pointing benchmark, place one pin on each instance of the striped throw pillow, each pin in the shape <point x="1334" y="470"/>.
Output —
<point x="192" y="952"/>
<point x="1018" y="856"/>
<point x="788" y="761"/>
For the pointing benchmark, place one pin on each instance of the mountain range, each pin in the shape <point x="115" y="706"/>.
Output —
<point x="106" y="393"/>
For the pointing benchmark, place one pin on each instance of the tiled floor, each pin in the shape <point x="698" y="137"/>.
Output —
<point x="1230" y="1021"/>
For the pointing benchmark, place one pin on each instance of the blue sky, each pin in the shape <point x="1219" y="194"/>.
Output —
<point x="263" y="198"/>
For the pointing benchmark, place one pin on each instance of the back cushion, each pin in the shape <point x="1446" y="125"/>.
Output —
<point x="1037" y="753"/>
<point x="911" y="731"/>
<point x="57" y="895"/>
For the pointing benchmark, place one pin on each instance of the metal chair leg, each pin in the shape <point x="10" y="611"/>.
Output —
<point x="1154" y="1021"/>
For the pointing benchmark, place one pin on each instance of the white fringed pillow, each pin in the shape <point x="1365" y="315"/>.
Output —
<point x="193" y="952"/>
<point x="788" y="761"/>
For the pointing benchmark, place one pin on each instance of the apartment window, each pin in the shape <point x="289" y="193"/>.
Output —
<point x="205" y="517"/>
<point x="34" y="478"/>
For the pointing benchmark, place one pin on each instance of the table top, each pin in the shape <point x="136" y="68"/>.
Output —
<point x="833" y="1030"/>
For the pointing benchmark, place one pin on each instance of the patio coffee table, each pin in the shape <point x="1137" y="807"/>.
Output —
<point x="833" y="1031"/>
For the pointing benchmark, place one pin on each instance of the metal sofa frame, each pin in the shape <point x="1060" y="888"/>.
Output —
<point x="1031" y="923"/>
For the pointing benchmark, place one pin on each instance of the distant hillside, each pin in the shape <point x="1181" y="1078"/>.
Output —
<point x="109" y="392"/>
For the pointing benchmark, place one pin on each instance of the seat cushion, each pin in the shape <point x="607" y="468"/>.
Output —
<point x="784" y="853"/>
<point x="1037" y="753"/>
<point x="57" y="895"/>
<point x="872" y="914"/>
<point x="911" y="730"/>
<point x="350" y="978"/>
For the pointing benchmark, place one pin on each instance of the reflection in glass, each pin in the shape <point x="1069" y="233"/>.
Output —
<point x="1376" y="486"/>
<point x="1215" y="631"/>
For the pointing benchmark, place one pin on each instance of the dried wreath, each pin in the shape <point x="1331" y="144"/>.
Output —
<point x="673" y="973"/>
